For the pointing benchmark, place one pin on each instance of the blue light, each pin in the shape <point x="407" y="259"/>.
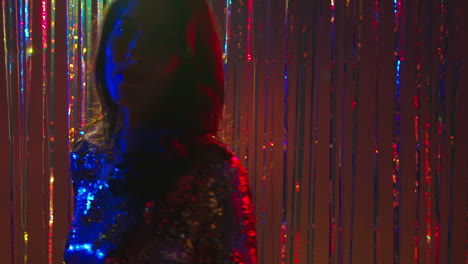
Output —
<point x="99" y="254"/>
<point x="88" y="248"/>
<point x="89" y="198"/>
<point x="92" y="201"/>
<point x="398" y="72"/>
<point x="81" y="191"/>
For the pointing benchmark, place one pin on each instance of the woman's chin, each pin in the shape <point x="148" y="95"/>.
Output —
<point x="128" y="96"/>
<point x="136" y="106"/>
<point x="137" y="98"/>
<point x="128" y="102"/>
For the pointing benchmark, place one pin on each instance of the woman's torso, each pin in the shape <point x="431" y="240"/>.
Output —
<point x="110" y="225"/>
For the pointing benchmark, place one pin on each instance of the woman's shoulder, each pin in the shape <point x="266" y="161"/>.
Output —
<point x="215" y="150"/>
<point x="226" y="202"/>
<point x="223" y="164"/>
<point x="89" y="150"/>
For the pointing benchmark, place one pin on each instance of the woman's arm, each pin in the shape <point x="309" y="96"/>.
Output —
<point x="228" y="235"/>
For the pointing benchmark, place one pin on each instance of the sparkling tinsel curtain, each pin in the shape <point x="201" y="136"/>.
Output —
<point x="350" y="115"/>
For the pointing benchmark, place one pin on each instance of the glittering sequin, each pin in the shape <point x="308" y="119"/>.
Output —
<point x="208" y="218"/>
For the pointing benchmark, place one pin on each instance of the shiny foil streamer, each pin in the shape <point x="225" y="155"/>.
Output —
<point x="432" y="165"/>
<point x="251" y="119"/>
<point x="51" y="124"/>
<point x="74" y="87"/>
<point x="344" y="112"/>
<point x="399" y="51"/>
<point x="453" y="121"/>
<point x="417" y="129"/>
<point x="83" y="91"/>
<point x="332" y="221"/>
<point x="261" y="205"/>
<point x="356" y="56"/>
<point x="313" y="140"/>
<point x="428" y="144"/>
<point x="88" y="50"/>
<point x="285" y="104"/>
<point x="47" y="144"/>
<point x="299" y="72"/>
<point x="441" y="131"/>
<point x="10" y="83"/>
<point x="25" y="53"/>
<point x="225" y="43"/>
<point x="341" y="100"/>
<point x="376" y="14"/>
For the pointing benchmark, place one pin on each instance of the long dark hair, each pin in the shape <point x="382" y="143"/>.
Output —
<point x="194" y="103"/>
<point x="178" y="140"/>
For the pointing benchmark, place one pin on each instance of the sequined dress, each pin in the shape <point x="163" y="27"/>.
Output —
<point x="207" y="218"/>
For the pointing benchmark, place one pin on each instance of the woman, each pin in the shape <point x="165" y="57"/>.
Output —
<point x="152" y="183"/>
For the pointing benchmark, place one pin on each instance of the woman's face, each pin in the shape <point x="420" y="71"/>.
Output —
<point x="142" y="50"/>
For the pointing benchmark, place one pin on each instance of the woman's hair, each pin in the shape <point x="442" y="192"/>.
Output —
<point x="195" y="98"/>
